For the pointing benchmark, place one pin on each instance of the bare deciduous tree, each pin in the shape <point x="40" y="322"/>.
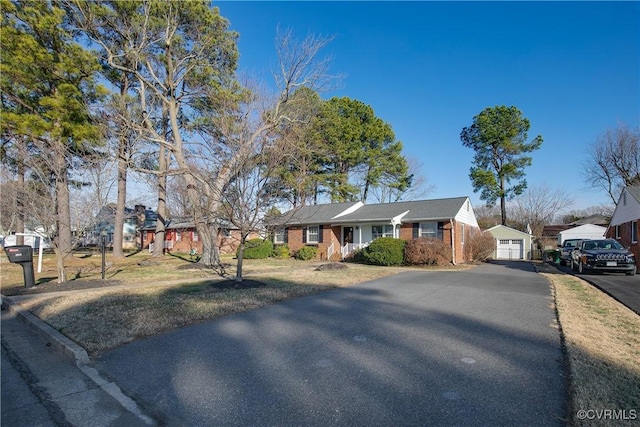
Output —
<point x="614" y="160"/>
<point x="538" y="206"/>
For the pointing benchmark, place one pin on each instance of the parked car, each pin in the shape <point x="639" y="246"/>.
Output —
<point x="602" y="255"/>
<point x="565" y="250"/>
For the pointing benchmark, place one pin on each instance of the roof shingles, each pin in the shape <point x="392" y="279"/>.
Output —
<point x="421" y="210"/>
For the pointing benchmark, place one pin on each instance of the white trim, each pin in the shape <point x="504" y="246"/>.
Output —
<point x="397" y="220"/>
<point x="349" y="210"/>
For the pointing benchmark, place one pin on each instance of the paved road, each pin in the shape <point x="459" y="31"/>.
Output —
<point x="473" y="347"/>
<point x="625" y="289"/>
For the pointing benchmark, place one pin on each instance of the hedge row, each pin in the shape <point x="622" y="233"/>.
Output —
<point x="422" y="251"/>
<point x="262" y="248"/>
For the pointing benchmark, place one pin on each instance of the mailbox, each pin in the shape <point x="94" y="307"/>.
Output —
<point x="22" y="255"/>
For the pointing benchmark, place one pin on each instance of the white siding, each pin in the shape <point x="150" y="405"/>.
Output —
<point x="466" y="215"/>
<point x="587" y="231"/>
<point x="514" y="237"/>
<point x="626" y="212"/>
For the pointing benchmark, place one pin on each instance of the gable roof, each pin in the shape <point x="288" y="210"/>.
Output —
<point x="597" y="219"/>
<point x="419" y="210"/>
<point x="506" y="229"/>
<point x="629" y="211"/>
<point x="635" y="192"/>
<point x="341" y="213"/>
<point x="316" y="214"/>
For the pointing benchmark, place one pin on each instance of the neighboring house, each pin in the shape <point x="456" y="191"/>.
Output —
<point x="181" y="236"/>
<point x="511" y="243"/>
<point x="624" y="222"/>
<point x="597" y="219"/>
<point x="549" y="238"/>
<point x="340" y="228"/>
<point x="135" y="219"/>
<point x="587" y="231"/>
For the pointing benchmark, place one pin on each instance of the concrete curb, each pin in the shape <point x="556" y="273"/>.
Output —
<point x="76" y="354"/>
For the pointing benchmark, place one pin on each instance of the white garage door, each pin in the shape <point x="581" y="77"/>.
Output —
<point x="510" y="249"/>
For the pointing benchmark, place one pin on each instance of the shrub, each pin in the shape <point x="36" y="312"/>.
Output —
<point x="257" y="249"/>
<point x="306" y="253"/>
<point x="281" y="251"/>
<point x="385" y="251"/>
<point x="356" y="256"/>
<point x="480" y="246"/>
<point x="427" y="251"/>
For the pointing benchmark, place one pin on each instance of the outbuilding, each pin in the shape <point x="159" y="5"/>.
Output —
<point x="511" y="244"/>
<point x="587" y="231"/>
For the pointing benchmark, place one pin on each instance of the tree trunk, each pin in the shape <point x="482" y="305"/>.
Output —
<point x="158" y="245"/>
<point x="64" y="226"/>
<point x="208" y="234"/>
<point x="239" y="263"/>
<point x="118" y="227"/>
<point x="121" y="202"/>
<point x="19" y="205"/>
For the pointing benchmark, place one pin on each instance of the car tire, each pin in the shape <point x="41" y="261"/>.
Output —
<point x="631" y="272"/>
<point x="581" y="268"/>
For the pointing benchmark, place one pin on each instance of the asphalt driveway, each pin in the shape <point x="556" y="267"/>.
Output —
<point x="473" y="347"/>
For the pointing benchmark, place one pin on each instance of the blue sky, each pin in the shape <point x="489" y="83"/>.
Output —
<point x="427" y="68"/>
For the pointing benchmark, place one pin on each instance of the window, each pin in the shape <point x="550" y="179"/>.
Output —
<point x="381" y="231"/>
<point x="313" y="232"/>
<point x="617" y="231"/>
<point x="428" y="229"/>
<point x="634" y="231"/>
<point x="279" y="236"/>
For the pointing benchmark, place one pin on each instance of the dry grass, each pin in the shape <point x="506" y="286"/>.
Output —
<point x="602" y="341"/>
<point x="167" y="294"/>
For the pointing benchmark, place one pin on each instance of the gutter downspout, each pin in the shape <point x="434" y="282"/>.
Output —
<point x="453" y="241"/>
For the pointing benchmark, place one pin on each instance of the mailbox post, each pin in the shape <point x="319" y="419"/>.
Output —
<point x="23" y="255"/>
<point x="103" y="248"/>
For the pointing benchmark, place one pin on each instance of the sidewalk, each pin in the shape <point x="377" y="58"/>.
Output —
<point x="48" y="380"/>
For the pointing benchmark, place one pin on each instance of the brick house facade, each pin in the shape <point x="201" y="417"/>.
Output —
<point x="339" y="229"/>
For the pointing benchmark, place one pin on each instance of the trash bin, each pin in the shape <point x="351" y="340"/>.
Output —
<point x="23" y="255"/>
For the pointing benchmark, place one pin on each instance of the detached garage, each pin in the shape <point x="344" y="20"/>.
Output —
<point x="511" y="244"/>
<point x="587" y="231"/>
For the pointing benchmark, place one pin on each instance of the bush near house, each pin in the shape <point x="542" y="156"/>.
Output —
<point x="306" y="253"/>
<point x="385" y="251"/>
<point x="257" y="249"/>
<point x="427" y="251"/>
<point x="281" y="251"/>
<point x="480" y="247"/>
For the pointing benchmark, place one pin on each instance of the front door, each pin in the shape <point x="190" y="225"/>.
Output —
<point x="347" y="235"/>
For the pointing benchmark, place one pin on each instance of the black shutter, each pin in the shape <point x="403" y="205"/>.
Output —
<point x="304" y="235"/>
<point x="320" y="233"/>
<point x="286" y="235"/>
<point x="416" y="230"/>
